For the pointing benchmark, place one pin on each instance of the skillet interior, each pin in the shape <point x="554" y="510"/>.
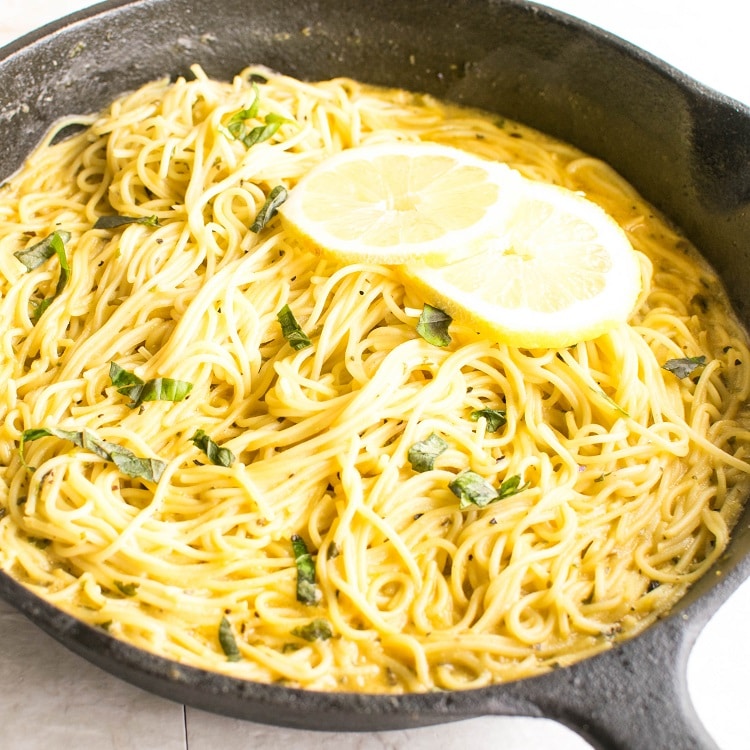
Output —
<point x="533" y="65"/>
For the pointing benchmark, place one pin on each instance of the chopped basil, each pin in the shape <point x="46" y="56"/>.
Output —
<point x="263" y="132"/>
<point x="495" y="418"/>
<point x="510" y="486"/>
<point x="291" y="329"/>
<point x="684" y="367"/>
<point x="217" y="456"/>
<point x="126" y="461"/>
<point x="37" y="254"/>
<point x="227" y="641"/>
<point x="123" y="379"/>
<point x="115" y="221"/>
<point x="138" y="391"/>
<point x="275" y="198"/>
<point x="307" y="591"/>
<point x="610" y="401"/>
<point x="316" y="630"/>
<point x="236" y="124"/>
<point x="472" y="489"/>
<point x="433" y="326"/>
<point x="53" y="244"/>
<point x="422" y="455"/>
<point x="126" y="589"/>
<point x="250" y="136"/>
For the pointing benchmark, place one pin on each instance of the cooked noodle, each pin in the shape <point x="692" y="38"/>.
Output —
<point x="632" y="476"/>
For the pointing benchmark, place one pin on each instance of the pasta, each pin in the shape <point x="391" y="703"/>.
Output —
<point x="626" y="478"/>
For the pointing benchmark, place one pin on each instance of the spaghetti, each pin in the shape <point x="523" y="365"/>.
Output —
<point x="172" y="469"/>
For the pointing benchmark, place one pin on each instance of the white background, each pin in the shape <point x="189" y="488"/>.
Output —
<point x="49" y="698"/>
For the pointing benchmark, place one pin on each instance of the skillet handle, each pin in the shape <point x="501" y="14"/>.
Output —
<point x="634" y="697"/>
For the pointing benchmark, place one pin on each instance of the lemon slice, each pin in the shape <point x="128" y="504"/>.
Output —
<point x="399" y="201"/>
<point x="558" y="270"/>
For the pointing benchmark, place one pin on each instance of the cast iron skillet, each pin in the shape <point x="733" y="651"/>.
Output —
<point x="686" y="148"/>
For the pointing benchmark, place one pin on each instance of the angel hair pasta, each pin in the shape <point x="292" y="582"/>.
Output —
<point x="232" y="452"/>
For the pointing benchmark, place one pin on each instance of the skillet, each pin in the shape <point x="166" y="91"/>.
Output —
<point x="523" y="61"/>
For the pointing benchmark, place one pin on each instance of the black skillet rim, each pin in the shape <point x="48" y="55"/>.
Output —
<point x="538" y="696"/>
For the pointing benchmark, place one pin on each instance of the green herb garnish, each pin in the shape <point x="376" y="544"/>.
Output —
<point x="422" y="454"/>
<point x="138" y="391"/>
<point x="217" y="456"/>
<point x="275" y="198"/>
<point x="238" y="129"/>
<point x="115" y="221"/>
<point x="236" y="124"/>
<point x="510" y="486"/>
<point x="495" y="418"/>
<point x="307" y="591"/>
<point x="316" y="630"/>
<point x="126" y="589"/>
<point x="685" y="366"/>
<point x="609" y="400"/>
<point x="433" y="326"/>
<point x="227" y="641"/>
<point x="472" y="489"/>
<point x="53" y="244"/>
<point x="292" y="330"/>
<point x="37" y="254"/>
<point x="272" y="122"/>
<point x="126" y="461"/>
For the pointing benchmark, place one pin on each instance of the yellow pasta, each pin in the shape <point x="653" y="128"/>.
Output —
<point x="628" y="477"/>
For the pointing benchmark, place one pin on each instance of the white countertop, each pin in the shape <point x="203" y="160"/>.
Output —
<point x="50" y="698"/>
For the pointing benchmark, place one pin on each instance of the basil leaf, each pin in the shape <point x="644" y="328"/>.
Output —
<point x="316" y="630"/>
<point x="53" y="244"/>
<point x="122" y="379"/>
<point x="291" y="329"/>
<point x="275" y="198"/>
<point x="62" y="281"/>
<point x="422" y="454"/>
<point x="126" y="589"/>
<point x="510" y="486"/>
<point x="609" y="401"/>
<point x="433" y="326"/>
<point x="307" y="591"/>
<point x="685" y="366"/>
<point x="164" y="389"/>
<point x="37" y="254"/>
<point x="236" y="123"/>
<point x="126" y="461"/>
<point x="217" y="456"/>
<point x="237" y="128"/>
<point x="137" y="390"/>
<point x="262" y="133"/>
<point x="495" y="418"/>
<point x="227" y="641"/>
<point x="472" y="489"/>
<point x="115" y="221"/>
